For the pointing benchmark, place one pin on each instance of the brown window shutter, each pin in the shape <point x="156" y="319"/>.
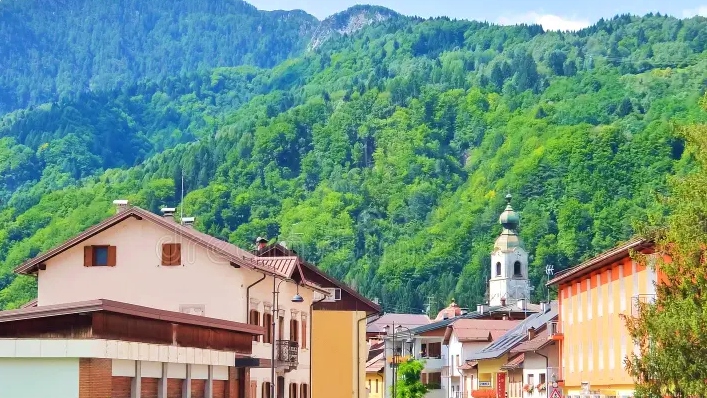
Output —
<point x="111" y="256"/>
<point x="176" y="254"/>
<point x="423" y="378"/>
<point x="87" y="256"/>
<point x="304" y="335"/>
<point x="166" y="254"/>
<point x="253" y="388"/>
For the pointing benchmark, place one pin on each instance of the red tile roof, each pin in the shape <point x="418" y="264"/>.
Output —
<point x="468" y="365"/>
<point x="479" y="329"/>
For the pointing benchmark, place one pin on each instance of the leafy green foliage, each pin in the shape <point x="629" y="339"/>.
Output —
<point x="670" y="332"/>
<point x="382" y="156"/>
<point x="409" y="384"/>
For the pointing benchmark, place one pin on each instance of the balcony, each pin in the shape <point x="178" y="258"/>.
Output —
<point x="457" y="394"/>
<point x="640" y="301"/>
<point x="396" y="360"/>
<point x="287" y="353"/>
<point x="554" y="331"/>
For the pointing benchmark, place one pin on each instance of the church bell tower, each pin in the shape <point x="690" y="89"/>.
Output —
<point x="509" y="262"/>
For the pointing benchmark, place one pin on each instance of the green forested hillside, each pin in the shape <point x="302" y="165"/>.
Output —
<point x="382" y="156"/>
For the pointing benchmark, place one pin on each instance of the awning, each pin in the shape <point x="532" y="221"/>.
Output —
<point x="515" y="362"/>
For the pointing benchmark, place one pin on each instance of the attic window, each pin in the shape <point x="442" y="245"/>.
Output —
<point x="99" y="256"/>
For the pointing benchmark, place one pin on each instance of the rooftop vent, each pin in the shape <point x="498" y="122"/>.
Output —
<point x="188" y="222"/>
<point x="120" y="205"/>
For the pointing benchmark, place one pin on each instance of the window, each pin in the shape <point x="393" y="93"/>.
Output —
<point x="281" y="328"/>
<point x="612" y="357"/>
<point x="171" y="254"/>
<point x="600" y="294"/>
<point x="293" y="390"/>
<point x="590" y="357"/>
<point x="589" y="298"/>
<point x="434" y="380"/>
<point x="267" y="322"/>
<point x="99" y="256"/>
<point x="294" y="330"/>
<point x="580" y="359"/>
<point x="253" y="388"/>
<point x="254" y="319"/>
<point x="542" y="378"/>
<point x="435" y="350"/>
<point x="601" y="355"/>
<point x="610" y="285"/>
<point x="498" y="269"/>
<point x="303" y="342"/>
<point x="377" y="385"/>
<point x="516" y="269"/>
<point x="423" y="350"/>
<point x="622" y="289"/>
<point x="266" y="390"/>
<point x="303" y="391"/>
<point x="531" y="379"/>
<point x="579" y="302"/>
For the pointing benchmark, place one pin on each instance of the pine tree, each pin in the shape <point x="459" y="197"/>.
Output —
<point x="671" y="331"/>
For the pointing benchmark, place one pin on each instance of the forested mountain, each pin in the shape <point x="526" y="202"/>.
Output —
<point x="53" y="49"/>
<point x="382" y="156"/>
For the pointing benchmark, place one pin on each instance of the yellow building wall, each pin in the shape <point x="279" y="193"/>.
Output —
<point x="489" y="368"/>
<point x="375" y="390"/>
<point x="335" y="371"/>
<point x="596" y="340"/>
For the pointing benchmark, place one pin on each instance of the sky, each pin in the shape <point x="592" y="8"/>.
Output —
<point x="551" y="14"/>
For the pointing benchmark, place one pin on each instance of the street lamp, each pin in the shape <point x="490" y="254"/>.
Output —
<point x="275" y="297"/>
<point x="394" y="361"/>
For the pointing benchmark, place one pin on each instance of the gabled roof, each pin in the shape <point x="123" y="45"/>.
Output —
<point x="278" y="250"/>
<point x="499" y="309"/>
<point x="515" y="362"/>
<point x="469" y="330"/>
<point x="536" y="343"/>
<point x="287" y="266"/>
<point x="409" y="321"/>
<point x="601" y="260"/>
<point x="516" y="335"/>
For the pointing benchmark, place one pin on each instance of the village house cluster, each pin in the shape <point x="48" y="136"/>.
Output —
<point x="573" y="347"/>
<point x="141" y="305"/>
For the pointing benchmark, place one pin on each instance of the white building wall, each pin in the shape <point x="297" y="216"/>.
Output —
<point x="535" y="365"/>
<point x="59" y="377"/>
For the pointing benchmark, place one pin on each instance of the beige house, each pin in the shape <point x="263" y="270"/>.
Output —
<point x="168" y="272"/>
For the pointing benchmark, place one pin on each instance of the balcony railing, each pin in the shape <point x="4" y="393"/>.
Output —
<point x="287" y="353"/>
<point x="457" y="394"/>
<point x="638" y="301"/>
<point x="554" y="331"/>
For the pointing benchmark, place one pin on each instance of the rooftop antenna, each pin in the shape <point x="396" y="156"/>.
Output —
<point x="549" y="271"/>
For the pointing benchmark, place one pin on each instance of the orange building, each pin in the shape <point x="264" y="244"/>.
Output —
<point x="594" y="341"/>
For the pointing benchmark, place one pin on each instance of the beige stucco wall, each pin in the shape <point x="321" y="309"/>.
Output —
<point x="205" y="278"/>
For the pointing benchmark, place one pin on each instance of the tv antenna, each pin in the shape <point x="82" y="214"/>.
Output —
<point x="549" y="271"/>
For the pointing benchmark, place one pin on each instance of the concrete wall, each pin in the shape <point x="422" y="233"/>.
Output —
<point x="58" y="377"/>
<point x="338" y="354"/>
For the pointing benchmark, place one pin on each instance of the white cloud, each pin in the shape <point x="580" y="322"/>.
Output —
<point x="701" y="11"/>
<point x="548" y="21"/>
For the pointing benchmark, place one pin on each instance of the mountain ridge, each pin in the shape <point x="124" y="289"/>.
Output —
<point x="383" y="155"/>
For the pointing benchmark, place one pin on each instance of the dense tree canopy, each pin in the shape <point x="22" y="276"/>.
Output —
<point x="381" y="156"/>
<point x="670" y="329"/>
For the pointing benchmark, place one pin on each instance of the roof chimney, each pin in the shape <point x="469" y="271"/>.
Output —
<point x="168" y="212"/>
<point x="261" y="243"/>
<point x="544" y="307"/>
<point x="188" y="222"/>
<point x="120" y="205"/>
<point x="522" y="304"/>
<point x="481" y="309"/>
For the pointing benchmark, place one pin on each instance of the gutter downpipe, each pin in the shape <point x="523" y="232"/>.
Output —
<point x="311" y="340"/>
<point x="546" y="364"/>
<point x="358" y="351"/>
<point x="247" y="298"/>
